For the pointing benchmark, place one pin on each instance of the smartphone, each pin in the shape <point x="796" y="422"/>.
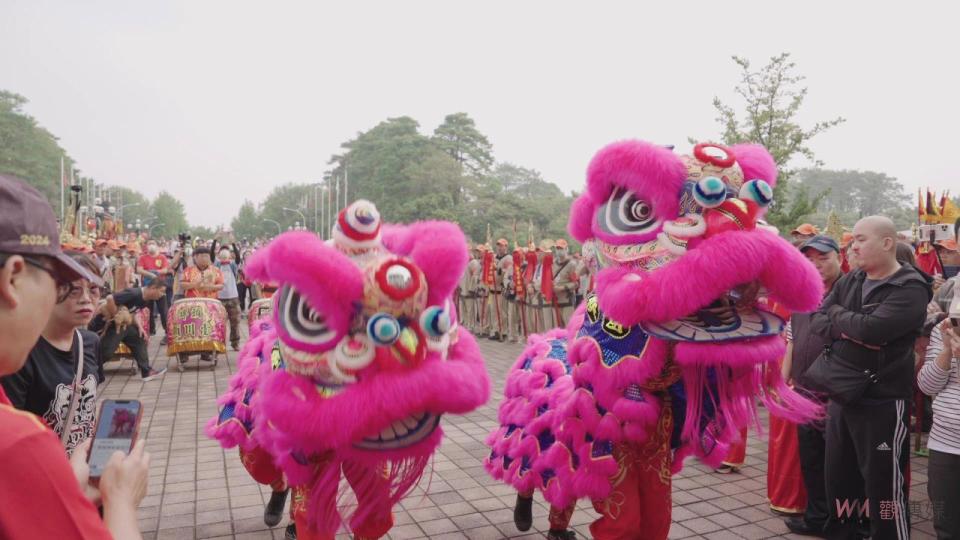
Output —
<point x="936" y="232"/>
<point x="117" y="429"/>
<point x="953" y="312"/>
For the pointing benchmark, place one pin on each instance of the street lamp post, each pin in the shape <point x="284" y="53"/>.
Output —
<point x="154" y="226"/>
<point x="120" y="212"/>
<point x="298" y="212"/>
<point x="279" y="228"/>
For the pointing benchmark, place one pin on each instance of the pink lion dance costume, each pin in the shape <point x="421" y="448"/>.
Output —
<point x="362" y="358"/>
<point x="669" y="356"/>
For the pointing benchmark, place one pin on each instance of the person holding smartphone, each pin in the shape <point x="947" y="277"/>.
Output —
<point x="42" y="494"/>
<point x="45" y="384"/>
<point x="940" y="378"/>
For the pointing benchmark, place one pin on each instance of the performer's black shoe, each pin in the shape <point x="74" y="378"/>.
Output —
<point x="523" y="513"/>
<point x="804" y="528"/>
<point x="565" y="534"/>
<point x="274" y="511"/>
<point x="291" y="533"/>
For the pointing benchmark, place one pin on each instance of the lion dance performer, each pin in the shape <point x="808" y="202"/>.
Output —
<point x="362" y="358"/>
<point x="668" y="357"/>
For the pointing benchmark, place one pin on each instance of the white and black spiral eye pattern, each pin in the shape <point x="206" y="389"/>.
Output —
<point x="302" y="322"/>
<point x="626" y="213"/>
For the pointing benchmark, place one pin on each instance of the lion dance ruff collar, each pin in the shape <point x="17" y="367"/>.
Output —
<point x="361" y="360"/>
<point x="670" y="354"/>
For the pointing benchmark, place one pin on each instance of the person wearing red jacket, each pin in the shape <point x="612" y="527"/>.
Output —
<point x="43" y="495"/>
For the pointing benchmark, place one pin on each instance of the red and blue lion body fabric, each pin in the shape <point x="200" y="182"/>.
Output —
<point x="669" y="356"/>
<point x="351" y="377"/>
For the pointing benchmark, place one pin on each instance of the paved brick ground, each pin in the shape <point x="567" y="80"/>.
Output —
<point x="198" y="490"/>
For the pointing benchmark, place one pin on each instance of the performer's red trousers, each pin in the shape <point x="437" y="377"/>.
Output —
<point x="373" y="518"/>
<point x="373" y="522"/>
<point x="785" y="487"/>
<point x="640" y="500"/>
<point x="737" y="453"/>
<point x="260" y="466"/>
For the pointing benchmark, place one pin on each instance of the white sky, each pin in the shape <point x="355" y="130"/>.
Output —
<point x="218" y="101"/>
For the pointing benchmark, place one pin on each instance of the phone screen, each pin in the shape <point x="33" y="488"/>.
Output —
<point x="116" y="430"/>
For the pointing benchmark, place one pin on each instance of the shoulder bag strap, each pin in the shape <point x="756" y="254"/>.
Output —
<point x="75" y="393"/>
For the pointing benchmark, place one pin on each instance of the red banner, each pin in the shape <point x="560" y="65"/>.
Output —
<point x="518" y="288"/>
<point x="488" y="275"/>
<point x="546" y="278"/>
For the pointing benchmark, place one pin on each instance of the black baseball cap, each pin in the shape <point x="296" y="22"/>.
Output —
<point x="821" y="243"/>
<point x="28" y="227"/>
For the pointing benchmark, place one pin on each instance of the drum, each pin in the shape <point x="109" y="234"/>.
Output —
<point x="260" y="309"/>
<point x="196" y="325"/>
<point x="143" y="319"/>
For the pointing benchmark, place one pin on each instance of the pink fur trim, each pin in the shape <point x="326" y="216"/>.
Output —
<point x="302" y="260"/>
<point x="292" y="404"/>
<point x="732" y="353"/>
<point x="582" y="213"/>
<point x="755" y="162"/>
<point x="652" y="172"/>
<point x="440" y="250"/>
<point x="714" y="267"/>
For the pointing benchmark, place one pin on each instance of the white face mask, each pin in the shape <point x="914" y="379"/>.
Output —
<point x="152" y="249"/>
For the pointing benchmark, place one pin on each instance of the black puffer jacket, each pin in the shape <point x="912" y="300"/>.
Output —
<point x="890" y="318"/>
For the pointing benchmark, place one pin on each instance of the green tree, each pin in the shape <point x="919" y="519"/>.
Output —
<point x="247" y="223"/>
<point x="168" y="210"/>
<point x="29" y="151"/>
<point x="772" y="98"/>
<point x="393" y="165"/>
<point x="290" y="195"/>
<point x="459" y="138"/>
<point x="855" y="194"/>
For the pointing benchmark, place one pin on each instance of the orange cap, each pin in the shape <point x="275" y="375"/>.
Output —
<point x="806" y="228"/>
<point x="846" y="239"/>
<point x="949" y="244"/>
<point x="502" y="242"/>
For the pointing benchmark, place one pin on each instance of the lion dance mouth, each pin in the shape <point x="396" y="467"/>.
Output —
<point x="402" y="433"/>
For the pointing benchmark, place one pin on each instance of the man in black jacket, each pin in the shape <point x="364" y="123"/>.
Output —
<point x="871" y="319"/>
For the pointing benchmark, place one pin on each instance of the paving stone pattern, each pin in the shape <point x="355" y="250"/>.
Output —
<point x="198" y="490"/>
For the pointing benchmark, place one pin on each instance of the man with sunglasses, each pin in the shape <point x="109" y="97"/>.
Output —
<point x="43" y="495"/>
<point x="45" y="384"/>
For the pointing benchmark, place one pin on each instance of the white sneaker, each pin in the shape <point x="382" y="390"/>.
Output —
<point x="153" y="375"/>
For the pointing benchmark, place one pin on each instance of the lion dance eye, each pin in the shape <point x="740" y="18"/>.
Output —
<point x="757" y="191"/>
<point x="383" y="329"/>
<point x="710" y="192"/>
<point x="435" y="321"/>
<point x="626" y="213"/>
<point x="301" y="321"/>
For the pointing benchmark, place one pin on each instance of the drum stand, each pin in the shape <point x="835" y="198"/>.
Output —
<point x="183" y="357"/>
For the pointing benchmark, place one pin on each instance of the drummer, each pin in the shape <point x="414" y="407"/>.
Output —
<point x="116" y="324"/>
<point x="202" y="280"/>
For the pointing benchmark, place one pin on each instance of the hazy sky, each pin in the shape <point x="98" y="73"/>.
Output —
<point x="218" y="101"/>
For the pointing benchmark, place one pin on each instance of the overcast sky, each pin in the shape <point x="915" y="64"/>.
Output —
<point x="218" y="101"/>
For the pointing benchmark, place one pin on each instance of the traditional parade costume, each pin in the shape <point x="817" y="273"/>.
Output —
<point x="668" y="357"/>
<point x="365" y="356"/>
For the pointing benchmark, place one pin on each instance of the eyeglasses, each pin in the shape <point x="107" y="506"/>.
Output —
<point x="75" y="292"/>
<point x="63" y="285"/>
